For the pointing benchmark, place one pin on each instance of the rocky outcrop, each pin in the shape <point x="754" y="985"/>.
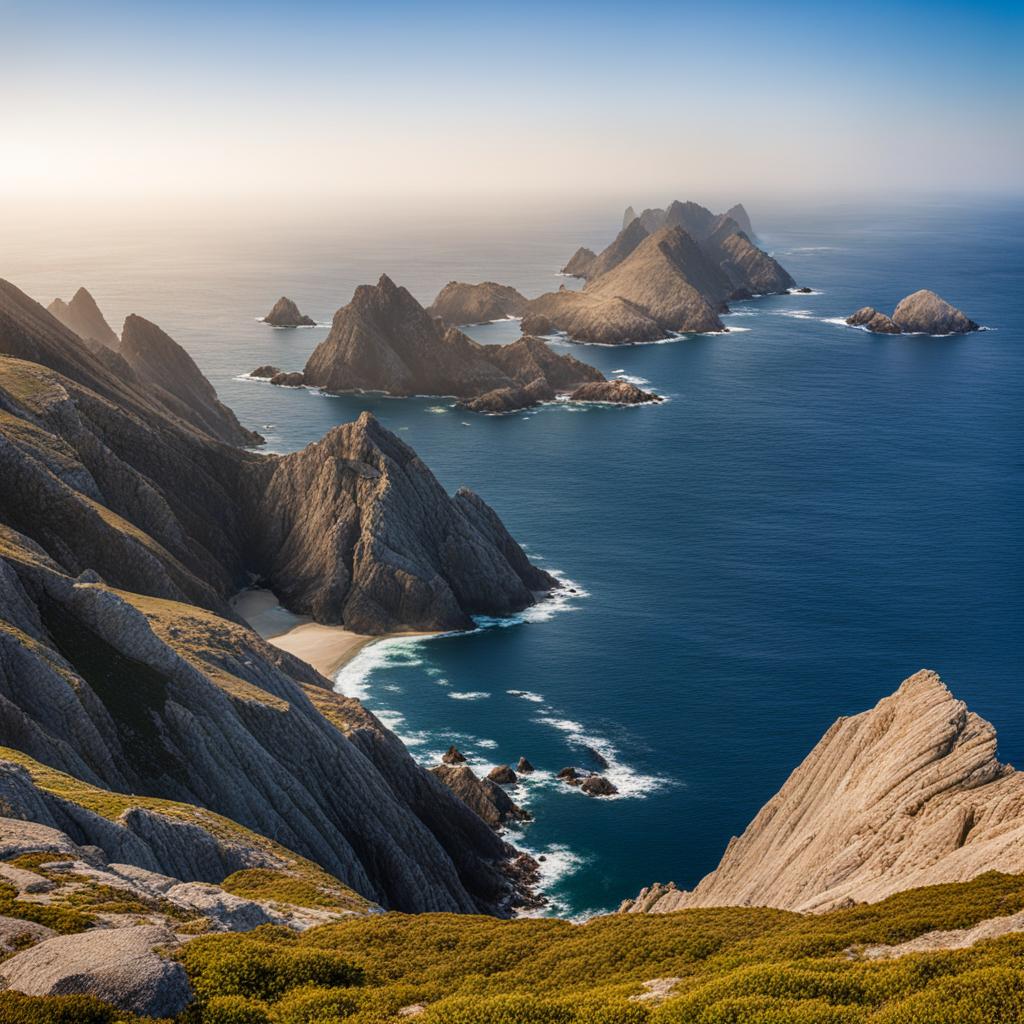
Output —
<point x="158" y="360"/>
<point x="629" y="216"/>
<point x="923" y="312"/>
<point x="524" y="767"/>
<point x="384" y="340"/>
<point x="82" y="316"/>
<point x="623" y="244"/>
<point x="597" y="320"/>
<point x="128" y="967"/>
<point x="869" y="318"/>
<point x="581" y="262"/>
<point x="459" y="303"/>
<point x="286" y="314"/>
<point x="288" y="379"/>
<point x="265" y="372"/>
<point x="484" y="796"/>
<point x="615" y="392"/>
<point x="907" y="794"/>
<point x="739" y="215"/>
<point x="503" y="775"/>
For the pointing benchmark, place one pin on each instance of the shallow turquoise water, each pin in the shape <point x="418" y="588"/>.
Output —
<point x="815" y="514"/>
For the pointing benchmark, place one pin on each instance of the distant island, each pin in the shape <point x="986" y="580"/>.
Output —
<point x="923" y="312"/>
<point x="385" y="341"/>
<point x="667" y="272"/>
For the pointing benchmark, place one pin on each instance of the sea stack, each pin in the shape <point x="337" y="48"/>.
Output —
<point x="907" y="794"/>
<point x="286" y="314"/>
<point x="922" y="312"/>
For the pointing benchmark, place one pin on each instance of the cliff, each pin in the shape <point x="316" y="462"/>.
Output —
<point x="384" y="340"/>
<point x="905" y="795"/>
<point x="160" y="361"/>
<point x="82" y="316"/>
<point x="123" y="530"/>
<point x="286" y="314"/>
<point x="623" y="244"/>
<point x="580" y="263"/>
<point x="459" y="303"/>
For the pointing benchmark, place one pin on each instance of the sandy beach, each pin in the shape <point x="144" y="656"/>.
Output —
<point x="326" y="648"/>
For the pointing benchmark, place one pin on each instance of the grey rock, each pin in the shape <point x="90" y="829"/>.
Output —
<point x="17" y="934"/>
<point x="286" y="314"/>
<point x="266" y="371"/>
<point x="289" y="379"/>
<point x="119" y="965"/>
<point x="598" y="785"/>
<point x="458" y="303"/>
<point x="503" y="775"/>
<point x="927" y="313"/>
<point x="25" y="881"/>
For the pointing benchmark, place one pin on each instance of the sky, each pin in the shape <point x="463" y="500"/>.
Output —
<point x="304" y="101"/>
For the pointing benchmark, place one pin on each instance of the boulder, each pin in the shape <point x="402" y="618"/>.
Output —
<point x="524" y="767"/>
<point x="232" y="913"/>
<point x="569" y="775"/>
<point x="293" y="379"/>
<point x="25" y="881"/>
<point x="503" y="775"/>
<point x="453" y="756"/>
<point x="598" y="785"/>
<point x="17" y="934"/>
<point x="870" y="319"/>
<point x="119" y="965"/>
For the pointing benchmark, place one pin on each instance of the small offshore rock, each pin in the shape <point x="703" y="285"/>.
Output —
<point x="286" y="314"/>
<point x="265" y="371"/>
<point x="598" y="785"/>
<point x="569" y="775"/>
<point x="295" y="379"/>
<point x="503" y="775"/>
<point x="524" y="767"/>
<point x="453" y="756"/>
<point x="618" y="392"/>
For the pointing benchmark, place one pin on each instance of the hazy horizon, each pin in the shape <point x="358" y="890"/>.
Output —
<point x="342" y="104"/>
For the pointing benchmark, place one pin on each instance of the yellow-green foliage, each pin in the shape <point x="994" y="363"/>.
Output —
<point x="267" y="884"/>
<point x="59" y="918"/>
<point x="725" y="966"/>
<point x="18" y="1009"/>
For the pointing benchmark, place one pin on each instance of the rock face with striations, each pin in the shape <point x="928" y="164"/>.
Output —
<point x="459" y="303"/>
<point x="286" y="314"/>
<point x="923" y="312"/>
<point x="159" y="360"/>
<point x="83" y="316"/>
<point x="907" y="794"/>
<point x="384" y="340"/>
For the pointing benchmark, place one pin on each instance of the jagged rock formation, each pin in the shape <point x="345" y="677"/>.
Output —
<point x="82" y="316"/>
<point x="265" y="372"/>
<point x="667" y="271"/>
<point x="459" y="303"/>
<point x="384" y="340"/>
<point x="922" y="312"/>
<point x="739" y="214"/>
<point x="579" y="265"/>
<point x="123" y="530"/>
<point x="288" y="379"/>
<point x="159" y="360"/>
<point x="629" y="216"/>
<point x="905" y="795"/>
<point x="286" y="314"/>
<point x="484" y="796"/>
<point x="616" y="392"/>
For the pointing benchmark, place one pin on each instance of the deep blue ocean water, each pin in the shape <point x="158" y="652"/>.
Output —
<point x="815" y="513"/>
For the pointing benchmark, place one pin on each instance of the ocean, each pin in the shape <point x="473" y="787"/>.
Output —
<point x="813" y="515"/>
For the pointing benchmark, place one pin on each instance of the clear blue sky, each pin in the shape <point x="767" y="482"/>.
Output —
<point x="154" y="98"/>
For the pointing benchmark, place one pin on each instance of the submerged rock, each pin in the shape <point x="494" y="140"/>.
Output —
<point x="286" y="314"/>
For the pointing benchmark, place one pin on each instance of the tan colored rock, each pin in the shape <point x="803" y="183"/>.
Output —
<point x="956" y="938"/>
<point x="83" y="316"/>
<point x="25" y="881"/>
<point x="286" y="314"/>
<point x="460" y="303"/>
<point x="927" y="313"/>
<point x="17" y="934"/>
<point x="907" y="794"/>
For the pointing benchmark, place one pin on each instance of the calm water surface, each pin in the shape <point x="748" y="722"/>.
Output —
<point x="815" y="513"/>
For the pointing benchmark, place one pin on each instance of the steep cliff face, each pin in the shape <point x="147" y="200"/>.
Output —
<point x="907" y="794"/>
<point x="622" y="245"/>
<point x="108" y="477"/>
<point x="83" y="316"/>
<point x="580" y="263"/>
<point x="160" y="361"/>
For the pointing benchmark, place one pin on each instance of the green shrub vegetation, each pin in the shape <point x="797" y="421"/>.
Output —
<point x="733" y="965"/>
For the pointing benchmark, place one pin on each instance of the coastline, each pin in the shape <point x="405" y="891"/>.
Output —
<point x="326" y="648"/>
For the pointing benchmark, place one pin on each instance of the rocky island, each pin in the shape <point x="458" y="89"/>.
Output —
<point x="286" y="314"/>
<point x="923" y="312"/>
<point x="384" y="340"/>
<point x="459" y="303"/>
